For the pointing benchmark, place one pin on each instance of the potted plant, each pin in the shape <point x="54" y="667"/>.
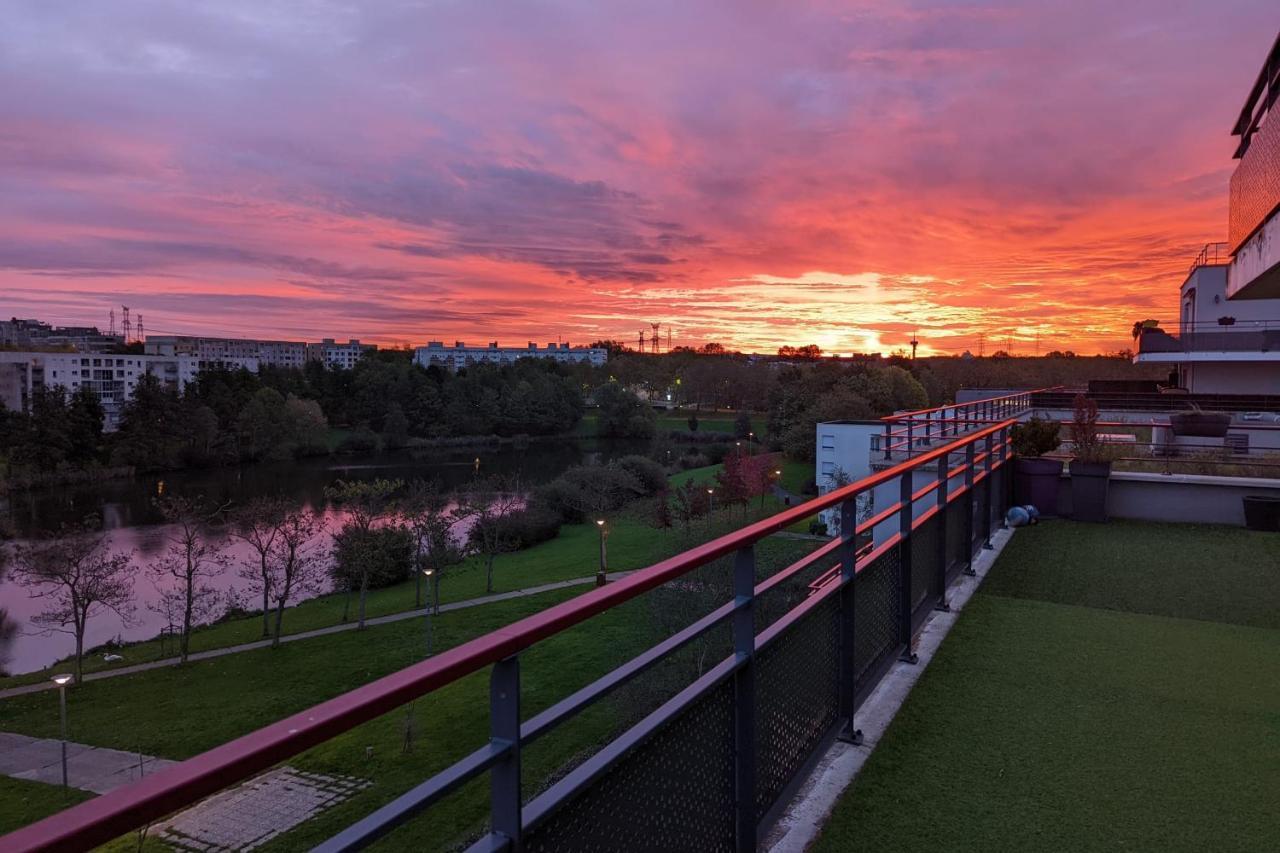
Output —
<point x="1090" y="463"/>
<point x="1200" y="423"/>
<point x="1036" y="478"/>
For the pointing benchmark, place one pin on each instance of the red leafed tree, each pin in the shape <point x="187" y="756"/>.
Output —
<point x="743" y="477"/>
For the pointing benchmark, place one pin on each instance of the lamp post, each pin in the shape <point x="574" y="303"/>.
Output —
<point x="711" y="501"/>
<point x="604" y="559"/>
<point x="62" y="681"/>
<point x="431" y="601"/>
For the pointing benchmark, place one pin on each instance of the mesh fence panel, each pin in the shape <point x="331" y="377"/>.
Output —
<point x="875" y="621"/>
<point x="673" y="792"/>
<point x="924" y="560"/>
<point x="797" y="683"/>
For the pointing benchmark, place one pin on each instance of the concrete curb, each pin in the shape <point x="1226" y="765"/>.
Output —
<point x="804" y="819"/>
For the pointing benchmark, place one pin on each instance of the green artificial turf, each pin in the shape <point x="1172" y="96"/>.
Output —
<point x="1044" y="725"/>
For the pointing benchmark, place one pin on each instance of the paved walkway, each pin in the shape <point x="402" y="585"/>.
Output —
<point x="318" y="632"/>
<point x="88" y="767"/>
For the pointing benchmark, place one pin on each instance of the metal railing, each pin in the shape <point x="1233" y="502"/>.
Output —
<point x="1212" y="255"/>
<point x="713" y="766"/>
<point x="907" y="433"/>
<point x="1158" y="402"/>
<point x="1252" y="338"/>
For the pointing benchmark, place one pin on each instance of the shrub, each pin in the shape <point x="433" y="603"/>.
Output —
<point x="650" y="475"/>
<point x="527" y="527"/>
<point x="1035" y="437"/>
<point x="388" y="550"/>
<point x="561" y="498"/>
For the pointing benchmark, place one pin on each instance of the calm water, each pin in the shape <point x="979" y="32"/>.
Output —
<point x="127" y="512"/>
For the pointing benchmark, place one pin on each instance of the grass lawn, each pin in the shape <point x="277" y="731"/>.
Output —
<point x="1111" y="687"/>
<point x="180" y="711"/>
<point x="23" y="802"/>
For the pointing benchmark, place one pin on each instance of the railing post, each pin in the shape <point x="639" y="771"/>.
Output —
<point x="888" y="433"/>
<point x="848" y="575"/>
<point x="504" y="731"/>
<point x="940" y="576"/>
<point x="905" y="517"/>
<point x="744" y="699"/>
<point x="988" y="484"/>
<point x="970" y="505"/>
<point x="911" y="430"/>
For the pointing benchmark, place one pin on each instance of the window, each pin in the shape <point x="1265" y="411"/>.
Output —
<point x="828" y="442"/>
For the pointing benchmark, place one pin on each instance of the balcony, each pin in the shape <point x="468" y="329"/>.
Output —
<point x="1255" y="341"/>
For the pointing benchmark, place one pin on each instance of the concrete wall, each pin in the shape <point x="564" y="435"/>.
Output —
<point x="1177" y="497"/>
<point x="1233" y="377"/>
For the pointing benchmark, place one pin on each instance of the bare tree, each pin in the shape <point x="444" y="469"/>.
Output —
<point x="491" y="503"/>
<point x="192" y="559"/>
<point x="78" y="578"/>
<point x="431" y="515"/>
<point x="367" y="504"/>
<point x="258" y="526"/>
<point x="296" y="563"/>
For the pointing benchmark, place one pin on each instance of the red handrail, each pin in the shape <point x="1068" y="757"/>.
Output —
<point x="101" y="819"/>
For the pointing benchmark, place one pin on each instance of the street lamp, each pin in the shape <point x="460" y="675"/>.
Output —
<point x="604" y="559"/>
<point x="711" y="500"/>
<point x="431" y="600"/>
<point x="62" y="680"/>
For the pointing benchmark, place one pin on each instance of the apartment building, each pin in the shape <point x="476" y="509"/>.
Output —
<point x="336" y="355"/>
<point x="35" y="334"/>
<point x="1228" y="336"/>
<point x="460" y="355"/>
<point x="230" y="350"/>
<point x="111" y="377"/>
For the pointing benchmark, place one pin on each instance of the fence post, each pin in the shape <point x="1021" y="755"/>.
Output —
<point x="504" y="731"/>
<point x="940" y="576"/>
<point x="744" y="698"/>
<point x="905" y="514"/>
<point x="988" y="487"/>
<point x="971" y="506"/>
<point x="888" y="433"/>
<point x="848" y="574"/>
<point x="911" y="432"/>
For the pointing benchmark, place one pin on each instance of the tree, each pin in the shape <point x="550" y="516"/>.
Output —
<point x="265" y="428"/>
<point x="191" y="560"/>
<point x="84" y="426"/>
<point x="623" y="414"/>
<point x="258" y="526"/>
<point x="395" y="427"/>
<point x="742" y="425"/>
<point x="492" y="503"/>
<point x="78" y="578"/>
<point x="366" y="504"/>
<point x="296" y="563"/>
<point x="152" y="429"/>
<point x="431" y="514"/>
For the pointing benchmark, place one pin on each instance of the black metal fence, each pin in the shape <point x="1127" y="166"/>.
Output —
<point x="714" y="765"/>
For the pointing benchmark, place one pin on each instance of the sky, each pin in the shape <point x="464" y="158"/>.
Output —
<point x="1027" y="175"/>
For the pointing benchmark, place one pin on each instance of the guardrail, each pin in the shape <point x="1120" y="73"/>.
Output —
<point x="1121" y="401"/>
<point x="1213" y="254"/>
<point x="715" y="764"/>
<point x="917" y="431"/>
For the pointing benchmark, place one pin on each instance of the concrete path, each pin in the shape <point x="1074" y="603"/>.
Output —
<point x="88" y="767"/>
<point x="318" y="632"/>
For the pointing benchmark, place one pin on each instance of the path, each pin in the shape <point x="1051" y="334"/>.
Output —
<point x="88" y="767"/>
<point x="317" y="632"/>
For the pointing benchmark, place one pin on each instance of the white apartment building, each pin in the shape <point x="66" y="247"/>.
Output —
<point x="112" y="377"/>
<point x="460" y="355"/>
<point x="230" y="350"/>
<point x="1228" y="338"/>
<point x="338" y="355"/>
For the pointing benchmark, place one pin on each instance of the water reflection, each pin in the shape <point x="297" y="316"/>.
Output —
<point x="127" y="511"/>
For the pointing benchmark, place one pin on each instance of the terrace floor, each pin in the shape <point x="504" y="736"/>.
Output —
<point x="1109" y="687"/>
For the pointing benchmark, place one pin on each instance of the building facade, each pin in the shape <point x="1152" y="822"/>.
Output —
<point x="459" y="356"/>
<point x="229" y="350"/>
<point x="35" y="334"/>
<point x="111" y="377"/>
<point x="1254" y="229"/>
<point x="338" y="355"/>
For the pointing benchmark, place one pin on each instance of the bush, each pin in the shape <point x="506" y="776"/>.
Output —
<point x="649" y="474"/>
<point x="360" y="440"/>
<point x="693" y="460"/>
<point x="1035" y="437"/>
<point x="561" y="498"/>
<point x="528" y="527"/>
<point x="716" y="452"/>
<point x="389" y="551"/>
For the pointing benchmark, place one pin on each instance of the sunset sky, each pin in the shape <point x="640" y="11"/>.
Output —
<point x="756" y="173"/>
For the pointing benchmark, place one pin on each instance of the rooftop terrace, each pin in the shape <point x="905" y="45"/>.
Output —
<point x="1108" y="687"/>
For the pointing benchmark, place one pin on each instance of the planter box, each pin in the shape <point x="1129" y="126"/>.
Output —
<point x="1035" y="482"/>
<point x="1201" y="424"/>
<point x="1089" y="486"/>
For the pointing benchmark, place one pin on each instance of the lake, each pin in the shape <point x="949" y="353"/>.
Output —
<point x="127" y="512"/>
